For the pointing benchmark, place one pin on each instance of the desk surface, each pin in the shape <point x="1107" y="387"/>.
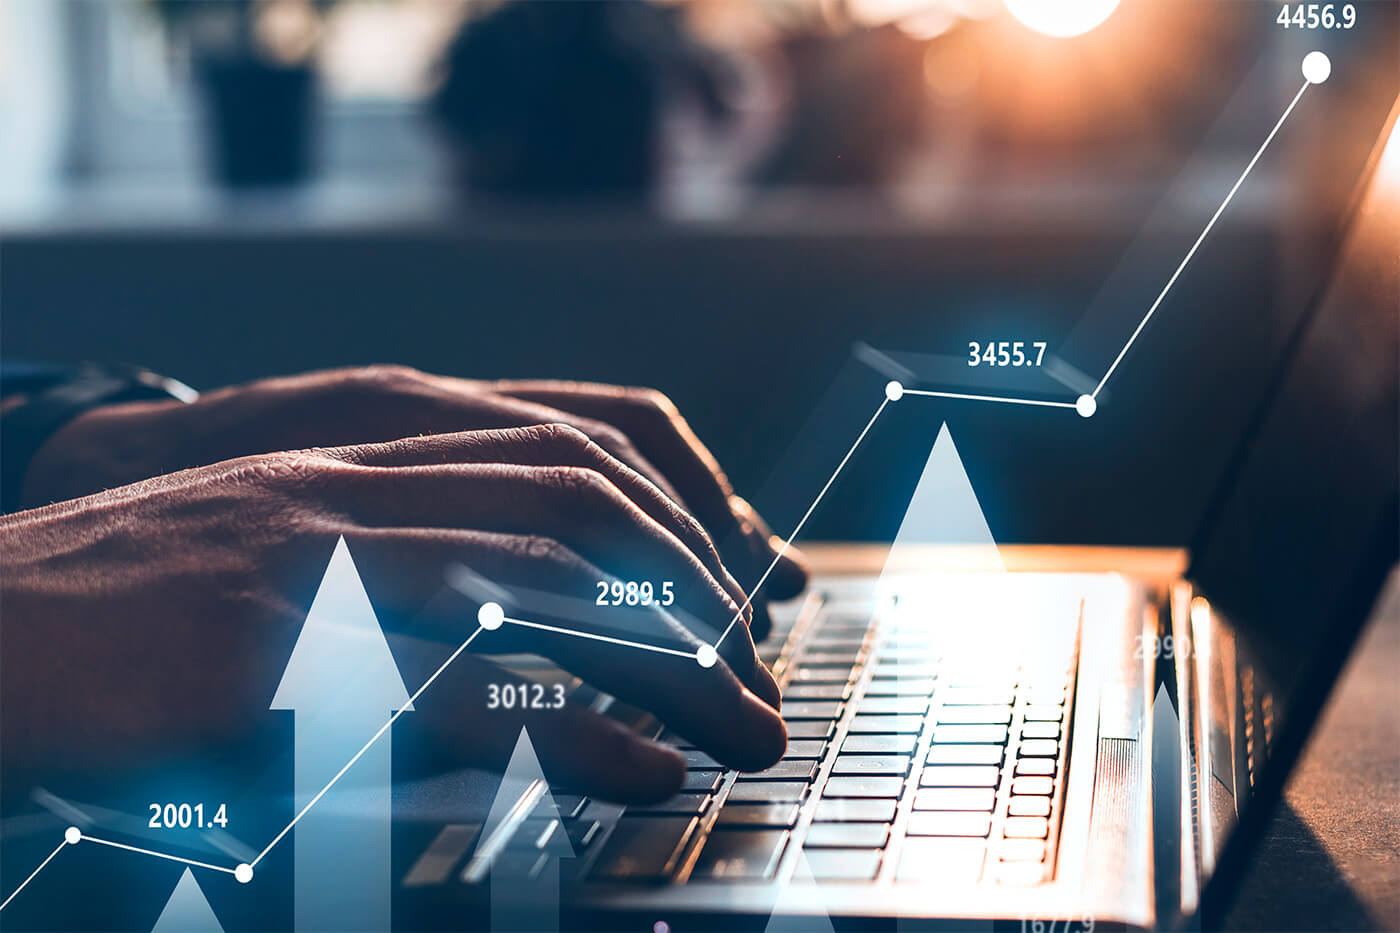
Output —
<point x="1331" y="859"/>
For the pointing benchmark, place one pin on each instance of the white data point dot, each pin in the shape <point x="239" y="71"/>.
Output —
<point x="1086" y="405"/>
<point x="244" y="873"/>
<point x="491" y="615"/>
<point x="706" y="656"/>
<point x="72" y="835"/>
<point x="1316" y="67"/>
<point x="894" y="391"/>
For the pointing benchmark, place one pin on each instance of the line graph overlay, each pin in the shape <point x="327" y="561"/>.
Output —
<point x="375" y="738"/>
<point x="174" y="858"/>
<point x="33" y="874"/>
<point x="491" y="616"/>
<point x="607" y="638"/>
<point x="989" y="398"/>
<point x="748" y="600"/>
<point x="1200" y="239"/>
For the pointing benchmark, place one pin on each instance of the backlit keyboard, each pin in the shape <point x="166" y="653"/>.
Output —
<point x="912" y="756"/>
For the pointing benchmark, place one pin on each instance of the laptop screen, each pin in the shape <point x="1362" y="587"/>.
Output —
<point x="1304" y="528"/>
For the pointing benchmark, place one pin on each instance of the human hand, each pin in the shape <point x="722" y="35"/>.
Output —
<point x="120" y="444"/>
<point x="113" y="595"/>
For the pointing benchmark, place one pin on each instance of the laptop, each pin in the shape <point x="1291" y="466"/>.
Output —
<point x="1054" y="750"/>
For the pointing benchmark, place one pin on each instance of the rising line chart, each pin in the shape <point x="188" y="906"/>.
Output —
<point x="491" y="616"/>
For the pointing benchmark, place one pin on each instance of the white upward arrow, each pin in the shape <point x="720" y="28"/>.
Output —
<point x="343" y="685"/>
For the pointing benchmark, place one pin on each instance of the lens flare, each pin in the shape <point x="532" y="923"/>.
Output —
<point x="1061" y="18"/>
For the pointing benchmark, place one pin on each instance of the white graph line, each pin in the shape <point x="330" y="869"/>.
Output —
<point x="757" y="586"/>
<point x="15" y="893"/>
<point x="311" y="803"/>
<point x="990" y="398"/>
<point x="810" y="509"/>
<point x="606" y="638"/>
<point x="358" y="755"/>
<point x="1195" y="246"/>
<point x="174" y="858"/>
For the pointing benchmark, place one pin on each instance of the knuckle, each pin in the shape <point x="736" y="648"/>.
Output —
<point x="276" y="471"/>
<point x="565" y="436"/>
<point x="385" y="377"/>
<point x="581" y="483"/>
<point x="548" y="550"/>
<point x="654" y="400"/>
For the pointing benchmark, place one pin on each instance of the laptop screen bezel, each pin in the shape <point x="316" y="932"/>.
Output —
<point x="1307" y="698"/>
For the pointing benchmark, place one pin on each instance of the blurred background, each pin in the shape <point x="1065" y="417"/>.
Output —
<point x="766" y="208"/>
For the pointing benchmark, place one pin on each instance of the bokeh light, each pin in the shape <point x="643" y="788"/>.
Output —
<point x="1062" y="18"/>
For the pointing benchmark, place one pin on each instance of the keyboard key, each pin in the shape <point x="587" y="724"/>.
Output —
<point x="679" y="805"/>
<point x="829" y="658"/>
<point x="1040" y="730"/>
<point x="582" y="833"/>
<point x="673" y="738"/>
<point x="909" y="670"/>
<point x="879" y="744"/>
<point x="863" y="787"/>
<point x="898" y="705"/>
<point x="810" y="729"/>
<point x="1043" y="697"/>
<point x="1026" y="827"/>
<point x="964" y="674"/>
<point x="816" y="692"/>
<point x="570" y="805"/>
<point x="960" y="776"/>
<point x="975" y="714"/>
<point x="902" y="687"/>
<point x="1029" y="806"/>
<point x="843" y="864"/>
<point x="1035" y="766"/>
<point x="948" y="823"/>
<point x="1038" y="748"/>
<point x="965" y="755"/>
<point x="820" y="675"/>
<point x="798" y="770"/>
<point x="769" y="815"/>
<point x="935" y="861"/>
<point x="803" y="749"/>
<point x="943" y="735"/>
<point x="699" y="761"/>
<point x="812" y="709"/>
<point x="1022" y="850"/>
<point x="886" y="724"/>
<point x="703" y="781"/>
<point x="845" y="810"/>
<point x="976" y="696"/>
<point x="746" y="791"/>
<point x="749" y="854"/>
<point x="956" y="798"/>
<point x="837" y="641"/>
<point x="847" y="836"/>
<point x="1020" y="874"/>
<point x="645" y="848"/>
<point x="897" y="765"/>
<point x="1044" y="714"/>
<point x="1033" y="785"/>
<point x="446" y="851"/>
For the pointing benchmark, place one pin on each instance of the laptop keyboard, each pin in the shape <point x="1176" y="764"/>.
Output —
<point x="904" y="763"/>
<point x="908" y="760"/>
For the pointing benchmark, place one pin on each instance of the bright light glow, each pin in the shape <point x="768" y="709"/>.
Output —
<point x="1061" y="18"/>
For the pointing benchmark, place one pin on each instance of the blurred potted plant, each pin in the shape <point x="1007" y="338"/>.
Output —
<point x="252" y="63"/>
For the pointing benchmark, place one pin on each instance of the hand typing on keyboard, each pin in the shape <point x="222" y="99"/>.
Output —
<point x="167" y="608"/>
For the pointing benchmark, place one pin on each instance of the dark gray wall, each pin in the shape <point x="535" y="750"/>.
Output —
<point x="750" y="334"/>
